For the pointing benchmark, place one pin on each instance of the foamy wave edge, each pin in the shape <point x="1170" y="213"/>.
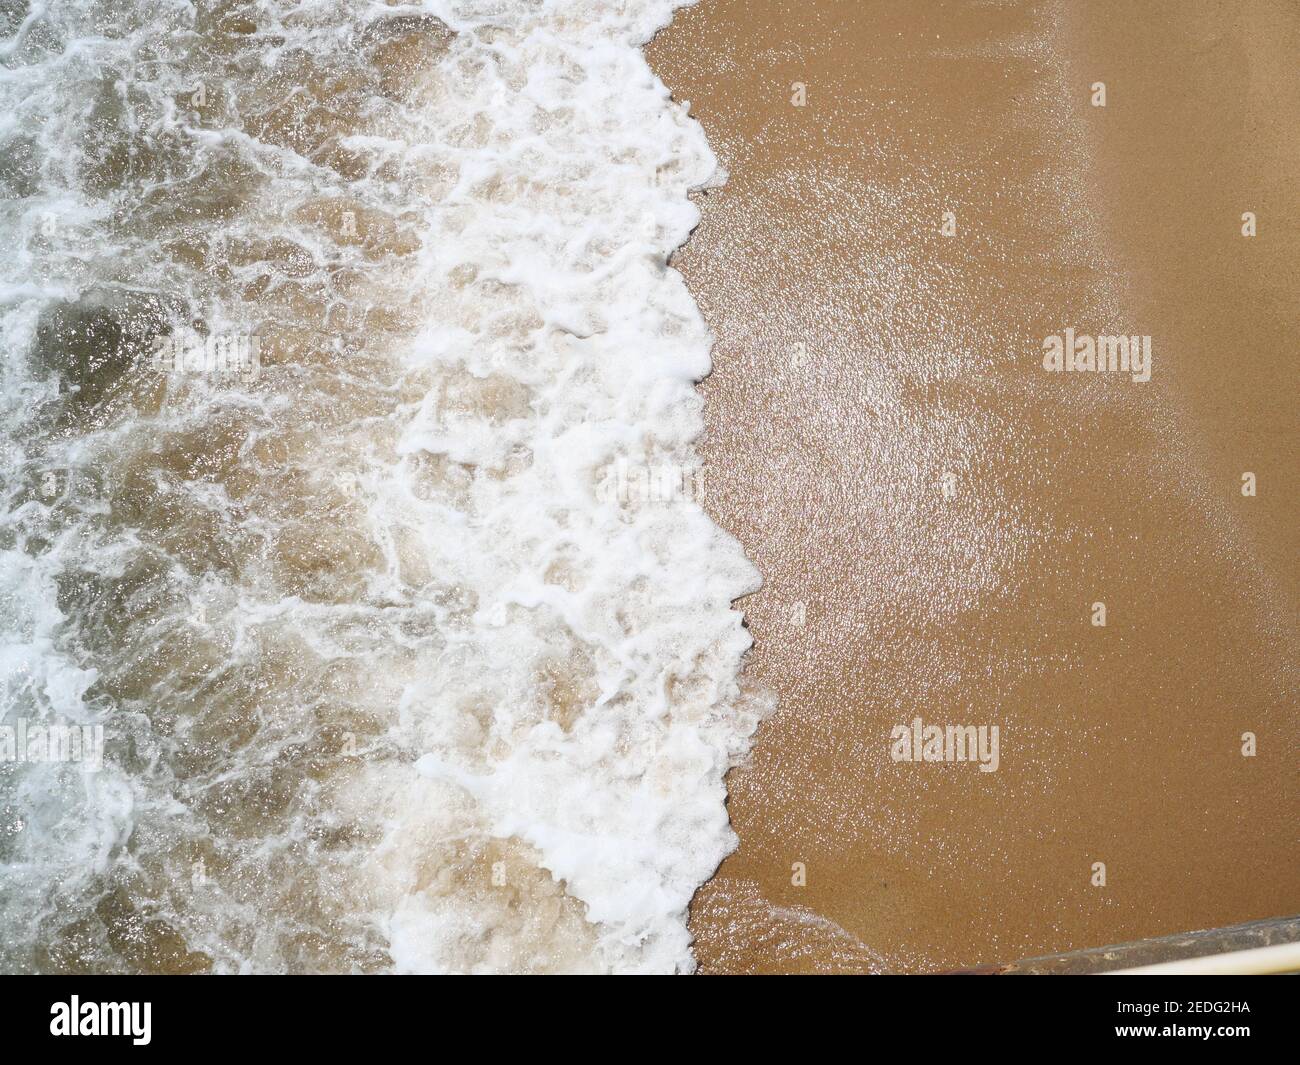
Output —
<point x="634" y="840"/>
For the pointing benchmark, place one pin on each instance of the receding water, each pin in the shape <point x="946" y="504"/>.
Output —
<point x="386" y="682"/>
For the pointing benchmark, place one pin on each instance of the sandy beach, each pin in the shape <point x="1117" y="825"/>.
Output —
<point x="647" y="487"/>
<point x="919" y="197"/>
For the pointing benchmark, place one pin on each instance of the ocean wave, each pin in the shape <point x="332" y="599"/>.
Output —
<point x="394" y="672"/>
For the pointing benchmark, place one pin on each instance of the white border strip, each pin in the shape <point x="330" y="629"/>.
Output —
<point x="1262" y="961"/>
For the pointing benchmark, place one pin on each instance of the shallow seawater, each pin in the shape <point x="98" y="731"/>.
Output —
<point x="340" y="361"/>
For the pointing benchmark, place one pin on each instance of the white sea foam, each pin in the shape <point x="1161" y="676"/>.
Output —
<point x="387" y="680"/>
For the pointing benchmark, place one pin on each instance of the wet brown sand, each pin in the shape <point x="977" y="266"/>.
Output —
<point x="866" y="362"/>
